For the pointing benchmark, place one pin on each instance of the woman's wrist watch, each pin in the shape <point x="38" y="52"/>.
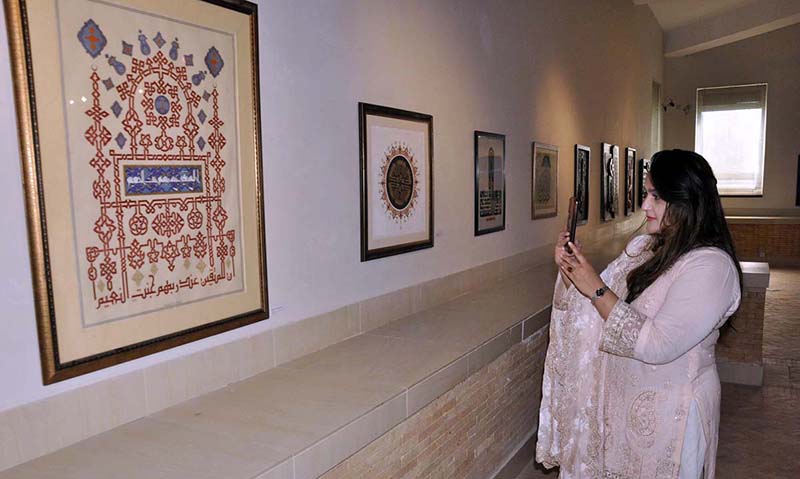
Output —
<point x="598" y="293"/>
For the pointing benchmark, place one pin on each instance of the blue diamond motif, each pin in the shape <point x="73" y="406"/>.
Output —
<point x="159" y="40"/>
<point x="214" y="61"/>
<point x="120" y="139"/>
<point x="202" y="116"/>
<point x="201" y="143"/>
<point x="206" y="95"/>
<point x="127" y="48"/>
<point x="92" y="38"/>
<point x="116" y="108"/>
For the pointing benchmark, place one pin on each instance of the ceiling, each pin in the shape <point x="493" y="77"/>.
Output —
<point x="692" y="26"/>
<point x="672" y="14"/>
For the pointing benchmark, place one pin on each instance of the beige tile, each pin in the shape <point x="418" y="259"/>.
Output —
<point x="536" y="322"/>
<point x="9" y="449"/>
<point x="115" y="401"/>
<point x="147" y="448"/>
<point x="438" y="291"/>
<point x="168" y="384"/>
<point x="376" y="312"/>
<point x="327" y="453"/>
<point x="516" y="333"/>
<point x="44" y="426"/>
<point x="489" y="351"/>
<point x="257" y="354"/>
<point x="487" y="274"/>
<point x="437" y="384"/>
<point x="284" y="470"/>
<point x="283" y="409"/>
<point x="443" y="325"/>
<point x="312" y="334"/>
<point x="376" y="359"/>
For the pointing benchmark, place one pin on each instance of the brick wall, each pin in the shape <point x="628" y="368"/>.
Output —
<point x="770" y="242"/>
<point x="745" y="344"/>
<point x="466" y="433"/>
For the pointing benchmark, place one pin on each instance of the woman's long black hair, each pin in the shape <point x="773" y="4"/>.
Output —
<point x="693" y="218"/>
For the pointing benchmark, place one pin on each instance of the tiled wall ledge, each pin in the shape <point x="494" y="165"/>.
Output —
<point x="305" y="416"/>
<point x="767" y="238"/>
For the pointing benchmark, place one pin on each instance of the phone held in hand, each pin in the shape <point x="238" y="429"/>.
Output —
<point x="572" y="221"/>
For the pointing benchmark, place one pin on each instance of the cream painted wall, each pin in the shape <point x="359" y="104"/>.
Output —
<point x="770" y="58"/>
<point x="559" y="71"/>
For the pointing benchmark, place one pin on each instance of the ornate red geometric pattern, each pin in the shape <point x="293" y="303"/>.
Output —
<point x="158" y="127"/>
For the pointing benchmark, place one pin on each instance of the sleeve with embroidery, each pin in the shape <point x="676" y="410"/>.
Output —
<point x="703" y="293"/>
<point x="560" y="295"/>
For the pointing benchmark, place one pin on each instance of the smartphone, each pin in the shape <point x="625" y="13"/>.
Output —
<point x="572" y="221"/>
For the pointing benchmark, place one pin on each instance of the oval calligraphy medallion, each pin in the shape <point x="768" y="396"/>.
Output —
<point x="399" y="182"/>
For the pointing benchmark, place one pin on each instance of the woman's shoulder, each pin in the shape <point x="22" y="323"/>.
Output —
<point x="638" y="244"/>
<point x="706" y="257"/>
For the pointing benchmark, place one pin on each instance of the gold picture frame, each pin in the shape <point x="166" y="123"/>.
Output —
<point x="140" y="139"/>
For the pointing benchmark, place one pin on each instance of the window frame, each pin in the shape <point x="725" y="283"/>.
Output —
<point x="762" y="152"/>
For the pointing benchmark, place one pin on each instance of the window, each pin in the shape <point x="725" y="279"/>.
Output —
<point x="730" y="133"/>
<point x="656" y="113"/>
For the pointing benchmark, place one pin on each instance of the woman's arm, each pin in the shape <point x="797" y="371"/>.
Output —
<point x="701" y="295"/>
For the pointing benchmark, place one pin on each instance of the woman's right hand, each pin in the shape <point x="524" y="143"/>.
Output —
<point x="560" y="252"/>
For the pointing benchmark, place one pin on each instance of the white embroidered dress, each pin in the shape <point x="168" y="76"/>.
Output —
<point x="616" y="394"/>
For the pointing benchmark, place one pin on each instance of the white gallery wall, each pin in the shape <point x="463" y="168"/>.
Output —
<point x="770" y="58"/>
<point x="560" y="71"/>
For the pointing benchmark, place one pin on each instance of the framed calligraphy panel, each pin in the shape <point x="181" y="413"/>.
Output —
<point x="630" y="181"/>
<point x="139" y="127"/>
<point x="396" y="149"/>
<point x="644" y="167"/>
<point x="490" y="183"/>
<point x="583" y="155"/>
<point x="609" y="182"/>
<point x="544" y="181"/>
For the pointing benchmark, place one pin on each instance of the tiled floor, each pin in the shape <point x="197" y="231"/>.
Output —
<point x="759" y="435"/>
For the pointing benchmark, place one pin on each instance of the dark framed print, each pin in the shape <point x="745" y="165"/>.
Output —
<point x="609" y="182"/>
<point x="644" y="167"/>
<point x="797" y="184"/>
<point x="396" y="149"/>
<point x="630" y="181"/>
<point x="544" y="181"/>
<point x="583" y="155"/>
<point x="490" y="183"/>
<point x="140" y="139"/>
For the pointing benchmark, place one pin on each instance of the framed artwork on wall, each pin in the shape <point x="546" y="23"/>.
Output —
<point x="140" y="139"/>
<point x="644" y="167"/>
<point x="583" y="155"/>
<point x="396" y="149"/>
<point x="630" y="181"/>
<point x="490" y="184"/>
<point x="544" y="181"/>
<point x="609" y="182"/>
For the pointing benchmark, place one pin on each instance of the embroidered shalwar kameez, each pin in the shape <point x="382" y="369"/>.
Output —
<point x="616" y="394"/>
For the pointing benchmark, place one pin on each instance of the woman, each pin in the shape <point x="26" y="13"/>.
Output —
<point x="630" y="388"/>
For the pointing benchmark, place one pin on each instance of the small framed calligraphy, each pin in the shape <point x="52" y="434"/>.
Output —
<point x="583" y="155"/>
<point x="544" y="181"/>
<point x="630" y="181"/>
<point x="142" y="172"/>
<point x="396" y="149"/>
<point x="490" y="183"/>
<point x="609" y="182"/>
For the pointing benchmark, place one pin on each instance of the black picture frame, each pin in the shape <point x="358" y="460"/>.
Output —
<point x="644" y="167"/>
<point x="583" y="161"/>
<point x="405" y="157"/>
<point x="797" y="184"/>
<point x="487" y="203"/>
<point x="609" y="182"/>
<point x="630" y="181"/>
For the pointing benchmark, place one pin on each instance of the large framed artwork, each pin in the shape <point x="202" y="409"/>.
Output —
<point x="583" y="155"/>
<point x="140" y="141"/>
<point x="490" y="183"/>
<point x="630" y="180"/>
<point x="609" y="182"/>
<point x="396" y="181"/>
<point x="544" y="181"/>
<point x="644" y="167"/>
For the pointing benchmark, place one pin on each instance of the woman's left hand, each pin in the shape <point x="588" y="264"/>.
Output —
<point x="578" y="269"/>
